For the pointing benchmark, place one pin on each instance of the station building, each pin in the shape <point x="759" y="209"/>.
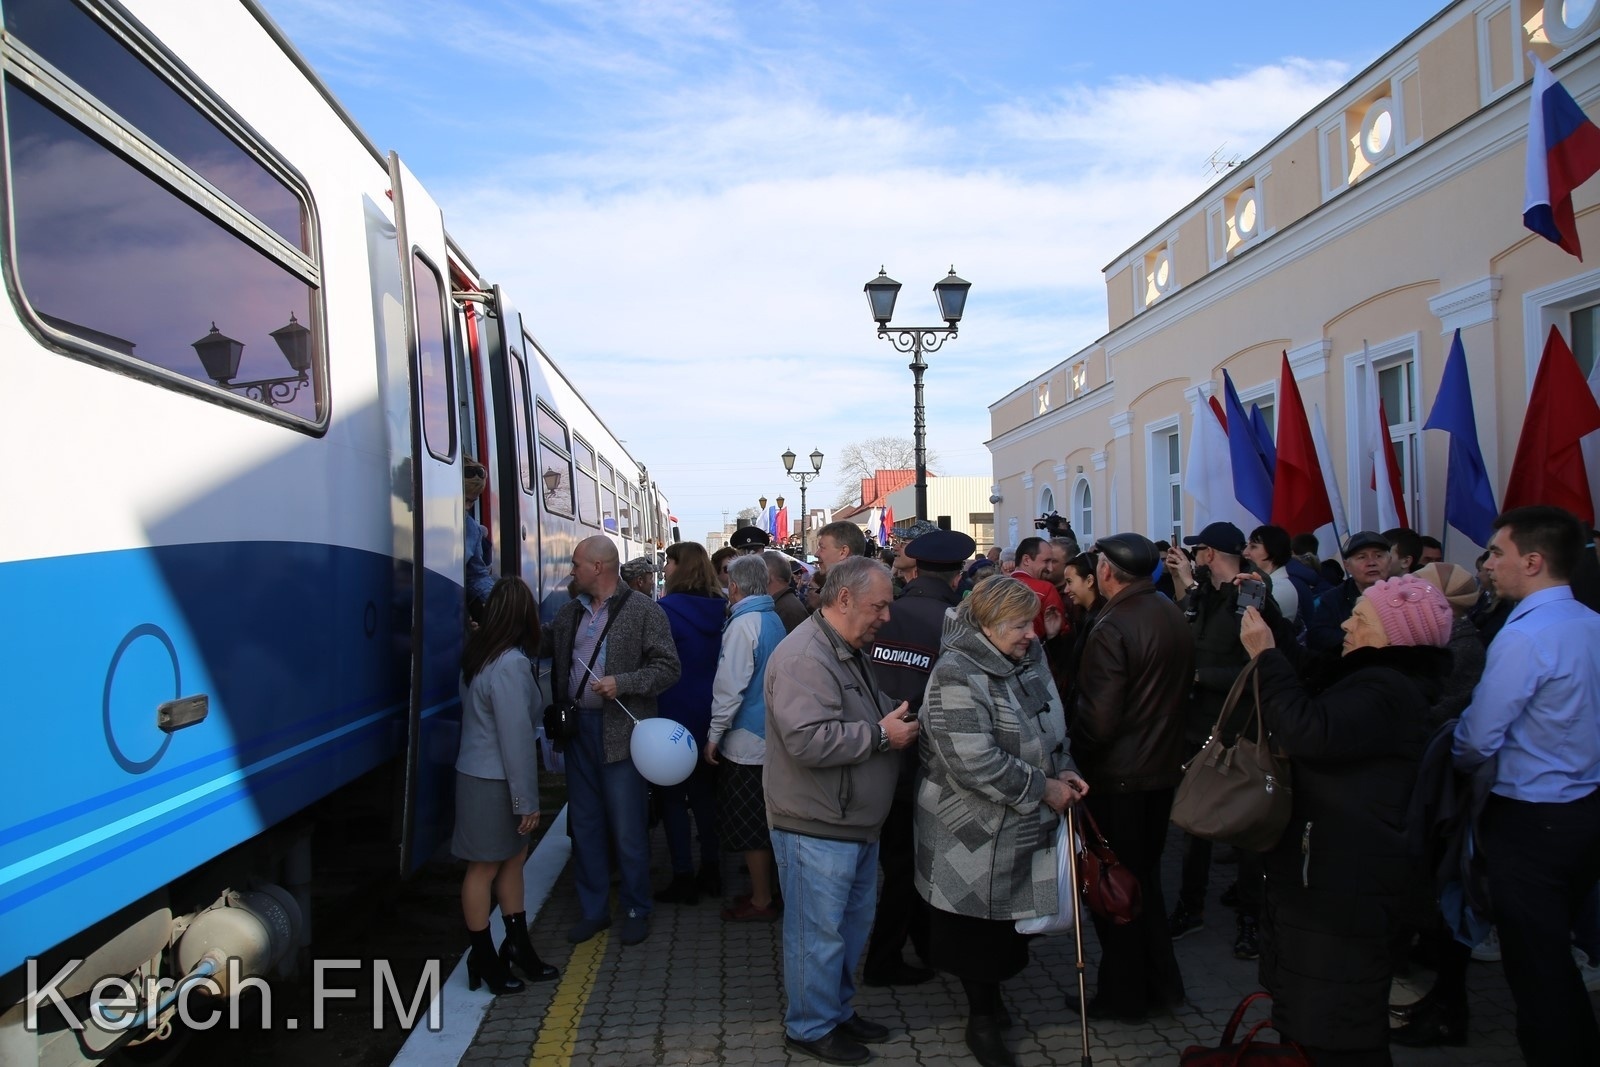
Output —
<point x="1387" y="217"/>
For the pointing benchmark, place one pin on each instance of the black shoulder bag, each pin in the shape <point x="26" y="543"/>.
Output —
<point x="561" y="715"/>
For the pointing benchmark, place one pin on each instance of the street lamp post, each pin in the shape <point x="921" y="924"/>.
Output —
<point x="219" y="355"/>
<point x="803" y="477"/>
<point x="951" y="292"/>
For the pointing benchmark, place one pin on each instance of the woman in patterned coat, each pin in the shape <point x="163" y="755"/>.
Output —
<point x="996" y="771"/>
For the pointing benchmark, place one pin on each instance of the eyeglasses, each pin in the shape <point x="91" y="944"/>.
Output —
<point x="475" y="472"/>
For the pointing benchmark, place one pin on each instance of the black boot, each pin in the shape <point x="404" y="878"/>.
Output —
<point x="1434" y="1020"/>
<point x="710" y="881"/>
<point x="518" y="949"/>
<point x="985" y="1042"/>
<point x="484" y="966"/>
<point x="684" y="889"/>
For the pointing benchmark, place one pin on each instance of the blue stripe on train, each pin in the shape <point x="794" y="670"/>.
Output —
<point x="303" y="651"/>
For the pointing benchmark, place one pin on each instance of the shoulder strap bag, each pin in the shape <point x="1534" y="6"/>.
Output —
<point x="1110" y="890"/>
<point x="1237" y="792"/>
<point x="561" y="716"/>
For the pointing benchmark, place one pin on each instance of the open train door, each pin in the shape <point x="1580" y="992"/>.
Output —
<point x="438" y="607"/>
<point x="517" y="475"/>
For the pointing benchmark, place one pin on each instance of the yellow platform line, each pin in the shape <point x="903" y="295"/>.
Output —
<point x="561" y="1021"/>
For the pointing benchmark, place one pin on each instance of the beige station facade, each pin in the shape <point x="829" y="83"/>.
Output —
<point x="1389" y="216"/>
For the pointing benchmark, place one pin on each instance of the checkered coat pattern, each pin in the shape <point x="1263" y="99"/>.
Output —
<point x="993" y="730"/>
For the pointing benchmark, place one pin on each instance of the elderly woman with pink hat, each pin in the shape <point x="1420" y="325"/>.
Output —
<point x="1338" y="880"/>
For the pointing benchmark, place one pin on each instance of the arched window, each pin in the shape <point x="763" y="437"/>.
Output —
<point x="1083" y="513"/>
<point x="1047" y="501"/>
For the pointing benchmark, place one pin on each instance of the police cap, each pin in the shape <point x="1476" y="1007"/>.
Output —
<point x="749" y="537"/>
<point x="946" y="549"/>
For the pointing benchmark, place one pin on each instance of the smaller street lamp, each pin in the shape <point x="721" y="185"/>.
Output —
<point x="220" y="354"/>
<point x="803" y="476"/>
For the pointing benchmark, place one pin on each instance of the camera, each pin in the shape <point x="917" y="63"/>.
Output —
<point x="1054" y="526"/>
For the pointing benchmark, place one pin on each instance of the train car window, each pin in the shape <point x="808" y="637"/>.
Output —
<point x="608" y="509"/>
<point x="433" y="360"/>
<point x="148" y="237"/>
<point x="625" y="520"/>
<point x="555" y="461"/>
<point x="519" y="415"/>
<point x="64" y="35"/>
<point x="588" y="485"/>
<point x="606" y="477"/>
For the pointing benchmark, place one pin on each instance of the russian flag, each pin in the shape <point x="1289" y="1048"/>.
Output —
<point x="1563" y="153"/>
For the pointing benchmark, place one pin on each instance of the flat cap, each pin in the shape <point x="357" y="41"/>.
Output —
<point x="747" y="537"/>
<point x="915" y="530"/>
<point x="1222" y="536"/>
<point x="1132" y="552"/>
<point x="638" y="567"/>
<point x="1364" y="539"/>
<point x="942" y="548"/>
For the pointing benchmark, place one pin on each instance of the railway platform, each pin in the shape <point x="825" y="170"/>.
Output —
<point x="703" y="991"/>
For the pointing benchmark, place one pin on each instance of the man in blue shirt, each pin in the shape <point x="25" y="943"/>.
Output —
<point x="1537" y="711"/>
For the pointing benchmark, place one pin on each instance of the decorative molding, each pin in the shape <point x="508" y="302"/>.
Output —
<point x="1097" y="397"/>
<point x="1552" y="305"/>
<point x="1027" y="479"/>
<point x="1099" y="461"/>
<point x="1310" y="360"/>
<point x="1061" y="472"/>
<point x="1122" y="424"/>
<point x="1196" y="395"/>
<point x="1468" y="305"/>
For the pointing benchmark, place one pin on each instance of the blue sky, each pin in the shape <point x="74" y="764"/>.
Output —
<point x="685" y="197"/>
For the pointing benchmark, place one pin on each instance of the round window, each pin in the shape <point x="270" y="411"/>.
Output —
<point x="1377" y="130"/>
<point x="1246" y="215"/>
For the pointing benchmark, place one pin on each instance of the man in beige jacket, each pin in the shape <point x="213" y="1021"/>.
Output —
<point x="831" y="765"/>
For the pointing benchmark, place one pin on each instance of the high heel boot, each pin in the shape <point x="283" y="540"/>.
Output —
<point x="518" y="949"/>
<point x="1434" y="1020"/>
<point x="484" y="966"/>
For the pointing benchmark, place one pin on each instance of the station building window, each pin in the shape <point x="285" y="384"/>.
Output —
<point x="1083" y="513"/>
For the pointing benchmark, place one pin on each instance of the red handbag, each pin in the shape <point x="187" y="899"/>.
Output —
<point x="1250" y="1052"/>
<point x="1110" y="890"/>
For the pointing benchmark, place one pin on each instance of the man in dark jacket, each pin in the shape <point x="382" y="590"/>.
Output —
<point x="780" y="587"/>
<point x="1208" y="592"/>
<point x="902" y="658"/>
<point x="1368" y="560"/>
<point x="611" y="646"/>
<point x="1127" y="736"/>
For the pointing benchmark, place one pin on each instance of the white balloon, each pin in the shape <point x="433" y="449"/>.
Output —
<point x="663" y="750"/>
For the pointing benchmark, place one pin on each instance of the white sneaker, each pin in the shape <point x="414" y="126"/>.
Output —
<point x="1589" y="970"/>
<point x="1488" y="950"/>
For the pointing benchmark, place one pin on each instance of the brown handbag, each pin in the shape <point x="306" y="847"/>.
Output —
<point x="1110" y="890"/>
<point x="1237" y="792"/>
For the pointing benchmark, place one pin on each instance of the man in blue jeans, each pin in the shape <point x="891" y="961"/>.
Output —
<point x="832" y="761"/>
<point x="611" y="647"/>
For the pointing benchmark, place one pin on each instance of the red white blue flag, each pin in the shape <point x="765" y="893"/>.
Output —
<point x="1563" y="153"/>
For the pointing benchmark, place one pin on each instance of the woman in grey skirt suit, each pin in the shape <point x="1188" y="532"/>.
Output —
<point x="497" y="784"/>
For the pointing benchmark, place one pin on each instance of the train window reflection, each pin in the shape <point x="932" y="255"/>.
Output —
<point x="433" y="359"/>
<point x="78" y="46"/>
<point x="109" y="256"/>
<point x="519" y="418"/>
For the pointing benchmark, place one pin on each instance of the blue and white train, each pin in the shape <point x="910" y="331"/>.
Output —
<point x="240" y="370"/>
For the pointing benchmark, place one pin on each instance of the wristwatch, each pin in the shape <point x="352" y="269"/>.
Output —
<point x="883" y="739"/>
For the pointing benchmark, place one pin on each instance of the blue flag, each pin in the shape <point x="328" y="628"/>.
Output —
<point x="1468" y="495"/>
<point x="1252" y="483"/>
<point x="1264" y="445"/>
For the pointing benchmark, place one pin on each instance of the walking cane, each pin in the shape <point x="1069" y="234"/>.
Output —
<point x="1077" y="929"/>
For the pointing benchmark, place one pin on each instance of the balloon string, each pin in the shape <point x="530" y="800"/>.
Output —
<point x="618" y="702"/>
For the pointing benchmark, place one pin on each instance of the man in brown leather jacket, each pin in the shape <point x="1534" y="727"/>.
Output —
<point x="1127" y="736"/>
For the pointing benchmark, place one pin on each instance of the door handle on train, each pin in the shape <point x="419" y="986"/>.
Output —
<point x="174" y="715"/>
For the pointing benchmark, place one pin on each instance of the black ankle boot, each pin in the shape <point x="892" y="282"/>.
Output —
<point x="1435" y="1020"/>
<point x="484" y="966"/>
<point x="518" y="949"/>
<point x="683" y="889"/>
<point x="986" y="1044"/>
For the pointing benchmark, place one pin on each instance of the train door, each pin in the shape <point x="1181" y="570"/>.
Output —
<point x="519" y="508"/>
<point x="437" y="602"/>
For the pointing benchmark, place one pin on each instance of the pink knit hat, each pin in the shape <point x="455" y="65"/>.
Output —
<point x="1412" y="611"/>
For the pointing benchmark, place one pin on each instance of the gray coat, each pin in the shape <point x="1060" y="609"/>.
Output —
<point x="993" y="731"/>
<point x="640" y="654"/>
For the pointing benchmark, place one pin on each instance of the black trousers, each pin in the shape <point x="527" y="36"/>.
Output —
<point x="1197" y="877"/>
<point x="1138" y="970"/>
<point x="1543" y="860"/>
<point x="902" y="913"/>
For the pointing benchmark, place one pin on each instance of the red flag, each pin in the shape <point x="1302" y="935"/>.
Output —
<point x="783" y="525"/>
<point x="1299" y="495"/>
<point x="1561" y="410"/>
<point x="1222" y="416"/>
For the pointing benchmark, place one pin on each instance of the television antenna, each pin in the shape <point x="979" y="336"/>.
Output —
<point x="1219" y="162"/>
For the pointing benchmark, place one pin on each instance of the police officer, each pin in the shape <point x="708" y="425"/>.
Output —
<point x="902" y="658"/>
<point x="748" y="540"/>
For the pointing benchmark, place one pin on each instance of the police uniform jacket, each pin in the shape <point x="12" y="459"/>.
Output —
<point x="905" y="650"/>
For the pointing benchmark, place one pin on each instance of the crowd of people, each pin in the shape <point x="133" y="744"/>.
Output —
<point x="926" y="724"/>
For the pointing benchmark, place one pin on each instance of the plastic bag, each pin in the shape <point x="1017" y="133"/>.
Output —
<point x="1066" y="900"/>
